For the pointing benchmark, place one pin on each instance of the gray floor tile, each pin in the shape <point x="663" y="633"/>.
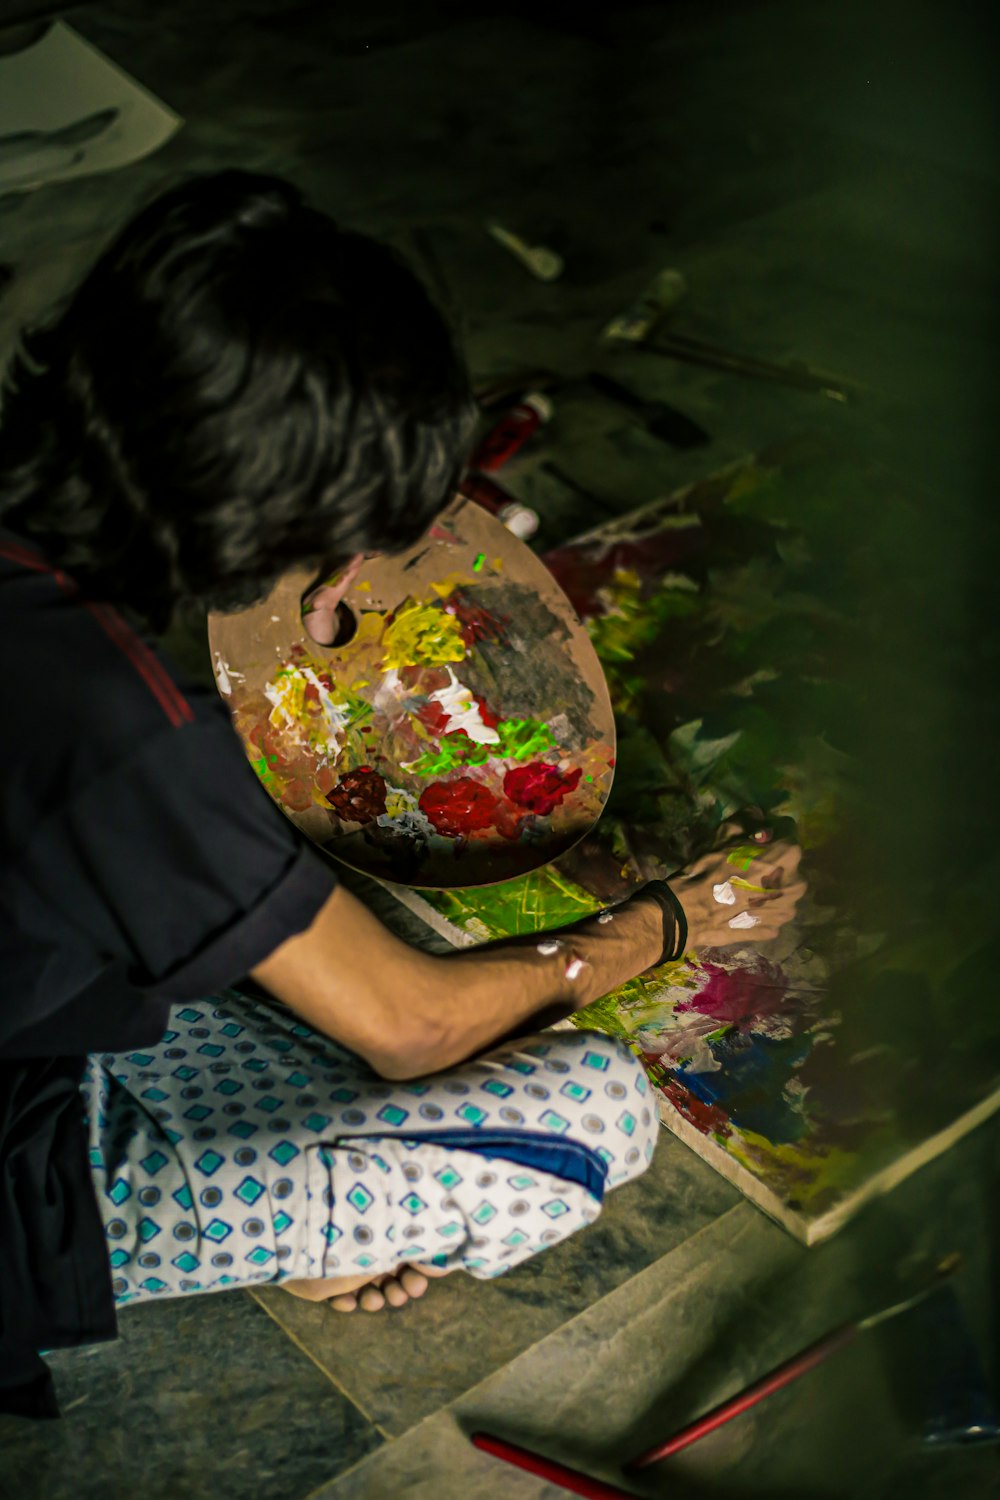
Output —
<point x="402" y="1366"/>
<point x="726" y="1305"/>
<point x="201" y="1398"/>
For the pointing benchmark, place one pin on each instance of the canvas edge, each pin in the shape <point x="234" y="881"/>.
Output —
<point x="808" y="1232"/>
<point x="751" y="1187"/>
<point x="904" y="1166"/>
<point x="425" y="911"/>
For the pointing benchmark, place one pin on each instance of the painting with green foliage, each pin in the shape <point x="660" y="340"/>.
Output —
<point x="742" y="627"/>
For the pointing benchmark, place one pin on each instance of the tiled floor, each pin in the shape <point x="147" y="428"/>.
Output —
<point x="816" y="217"/>
<point x="194" y="1399"/>
<point x="433" y="1353"/>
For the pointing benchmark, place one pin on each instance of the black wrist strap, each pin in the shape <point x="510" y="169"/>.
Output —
<point x="675" y="927"/>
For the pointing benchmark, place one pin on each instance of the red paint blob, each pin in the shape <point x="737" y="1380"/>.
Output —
<point x="477" y="624"/>
<point x="708" y="1118"/>
<point x="433" y="717"/>
<point x="489" y="718"/>
<point x="539" y="787"/>
<point x="459" y="807"/>
<point x="510" y="821"/>
<point x="359" y="796"/>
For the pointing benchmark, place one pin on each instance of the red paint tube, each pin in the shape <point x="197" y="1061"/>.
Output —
<point x="518" y="518"/>
<point x="511" y="433"/>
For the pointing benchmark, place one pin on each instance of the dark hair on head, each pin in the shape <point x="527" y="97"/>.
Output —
<point x="238" y="387"/>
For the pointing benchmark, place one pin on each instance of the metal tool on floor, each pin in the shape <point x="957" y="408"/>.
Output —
<point x="662" y="421"/>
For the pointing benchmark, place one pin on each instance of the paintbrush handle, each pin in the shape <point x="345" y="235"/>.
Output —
<point x="545" y="1468"/>
<point x="781" y="1376"/>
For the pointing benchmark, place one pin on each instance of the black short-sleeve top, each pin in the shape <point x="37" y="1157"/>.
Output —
<point x="141" y="863"/>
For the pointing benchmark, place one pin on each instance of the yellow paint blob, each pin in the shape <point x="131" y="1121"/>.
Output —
<point x="450" y="584"/>
<point x="421" y="635"/>
<point x="287" y="695"/>
<point x="398" y="802"/>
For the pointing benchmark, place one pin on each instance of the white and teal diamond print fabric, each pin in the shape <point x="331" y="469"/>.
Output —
<point x="246" y="1147"/>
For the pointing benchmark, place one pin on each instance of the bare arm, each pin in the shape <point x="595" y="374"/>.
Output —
<point x="410" y="1013"/>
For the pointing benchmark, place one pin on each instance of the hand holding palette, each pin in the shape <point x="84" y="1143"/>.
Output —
<point x="461" y="734"/>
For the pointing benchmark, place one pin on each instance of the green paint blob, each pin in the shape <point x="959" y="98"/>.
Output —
<point x="520" y="739"/>
<point x="266" y="775"/>
<point x="454" y="751"/>
<point x="523" y="739"/>
<point x="478" y="564"/>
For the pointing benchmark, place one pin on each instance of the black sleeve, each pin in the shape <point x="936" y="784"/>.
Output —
<point x="178" y="861"/>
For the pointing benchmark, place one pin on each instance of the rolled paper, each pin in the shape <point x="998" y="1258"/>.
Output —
<point x="724" y="894"/>
<point x="744" y="919"/>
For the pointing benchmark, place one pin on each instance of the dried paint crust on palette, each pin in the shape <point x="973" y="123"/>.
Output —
<point x="464" y="734"/>
<point x="818" y="1071"/>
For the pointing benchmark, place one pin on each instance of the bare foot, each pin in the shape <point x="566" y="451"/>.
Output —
<point x="370" y="1293"/>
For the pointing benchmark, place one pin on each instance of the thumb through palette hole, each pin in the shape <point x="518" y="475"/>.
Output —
<point x="336" y="627"/>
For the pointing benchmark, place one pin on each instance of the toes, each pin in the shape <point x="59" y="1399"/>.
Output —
<point x="371" y="1300"/>
<point x="395" y="1294"/>
<point x="346" y="1302"/>
<point x="432" y="1270"/>
<point x="414" y="1283"/>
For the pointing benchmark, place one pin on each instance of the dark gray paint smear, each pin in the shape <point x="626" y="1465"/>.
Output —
<point x="537" y="681"/>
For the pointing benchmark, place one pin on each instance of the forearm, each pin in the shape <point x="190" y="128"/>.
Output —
<point x="470" y="1000"/>
<point x="409" y="1013"/>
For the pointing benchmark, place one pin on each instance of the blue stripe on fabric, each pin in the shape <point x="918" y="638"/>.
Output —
<point x="569" y="1160"/>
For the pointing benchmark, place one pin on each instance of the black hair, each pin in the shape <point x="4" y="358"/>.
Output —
<point x="238" y="387"/>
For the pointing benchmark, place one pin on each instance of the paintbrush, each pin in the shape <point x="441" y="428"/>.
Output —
<point x="546" y="1468"/>
<point x="791" y="1369"/>
<point x="711" y="356"/>
<point x="578" y="1483"/>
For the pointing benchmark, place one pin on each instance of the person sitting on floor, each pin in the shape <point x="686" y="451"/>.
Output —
<point x="217" y="1067"/>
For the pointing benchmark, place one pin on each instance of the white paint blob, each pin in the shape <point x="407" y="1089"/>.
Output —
<point x="549" y="947"/>
<point x="225" y="675"/>
<point x="605" y="917"/>
<point x="744" y="919"/>
<point x="403" y="815"/>
<point x="724" y="894"/>
<point x="575" y="968"/>
<point x="337" y="715"/>
<point x="391" y="692"/>
<point x="463" y="711"/>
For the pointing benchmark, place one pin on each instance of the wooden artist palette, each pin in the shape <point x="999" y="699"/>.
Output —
<point x="463" y="735"/>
